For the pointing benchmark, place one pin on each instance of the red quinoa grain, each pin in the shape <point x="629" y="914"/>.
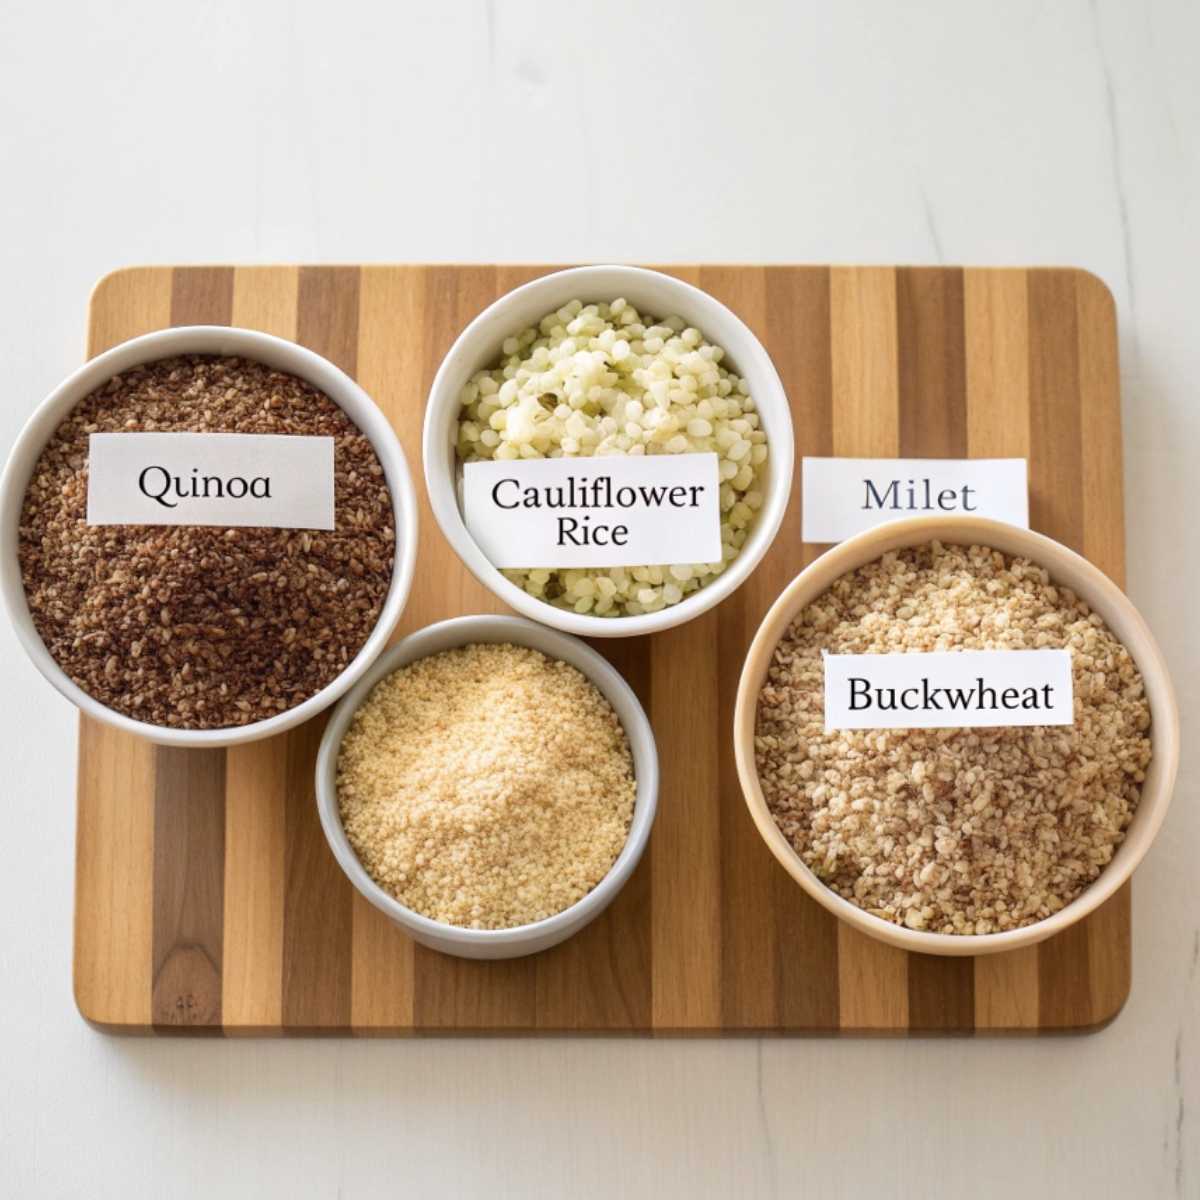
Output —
<point x="195" y="627"/>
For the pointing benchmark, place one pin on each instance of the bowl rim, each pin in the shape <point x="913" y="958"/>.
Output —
<point x="870" y="545"/>
<point x="489" y="628"/>
<point x="284" y="355"/>
<point x="751" y="359"/>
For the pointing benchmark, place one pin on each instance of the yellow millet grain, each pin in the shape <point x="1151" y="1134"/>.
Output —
<point x="487" y="786"/>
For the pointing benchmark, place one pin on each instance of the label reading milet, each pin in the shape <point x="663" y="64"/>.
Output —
<point x="948" y="689"/>
<point x="278" y="481"/>
<point x="844" y="496"/>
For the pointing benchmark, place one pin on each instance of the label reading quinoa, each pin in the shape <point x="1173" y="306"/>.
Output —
<point x="276" y="481"/>
<point x="606" y="511"/>
<point x="952" y="689"/>
<point x="844" y="496"/>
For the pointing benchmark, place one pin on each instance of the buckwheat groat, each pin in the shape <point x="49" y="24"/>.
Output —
<point x="953" y="830"/>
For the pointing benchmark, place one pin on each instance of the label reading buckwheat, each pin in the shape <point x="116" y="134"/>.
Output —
<point x="951" y="689"/>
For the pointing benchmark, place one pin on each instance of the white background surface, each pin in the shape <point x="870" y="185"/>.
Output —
<point x="968" y="132"/>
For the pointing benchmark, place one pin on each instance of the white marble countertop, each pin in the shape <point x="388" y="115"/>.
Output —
<point x="965" y="132"/>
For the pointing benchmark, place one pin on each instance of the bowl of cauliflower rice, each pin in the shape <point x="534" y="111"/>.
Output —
<point x="613" y="360"/>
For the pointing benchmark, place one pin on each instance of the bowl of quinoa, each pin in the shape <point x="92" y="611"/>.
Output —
<point x="202" y="635"/>
<point x="613" y="360"/>
<point x="957" y="841"/>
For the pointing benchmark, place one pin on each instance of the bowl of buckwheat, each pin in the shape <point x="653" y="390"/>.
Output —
<point x="979" y="797"/>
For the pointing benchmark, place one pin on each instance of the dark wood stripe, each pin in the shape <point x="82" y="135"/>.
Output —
<point x="798" y="335"/>
<point x="1064" y="989"/>
<point x="201" y="295"/>
<point x="189" y="796"/>
<point x="318" y="899"/>
<point x="749" y="985"/>
<point x="327" y="314"/>
<point x="933" y="362"/>
<point x="189" y="858"/>
<point x="931" y="346"/>
<point x="750" y="990"/>
<point x="318" y="903"/>
<point x="1055" y="435"/>
<point x="941" y="994"/>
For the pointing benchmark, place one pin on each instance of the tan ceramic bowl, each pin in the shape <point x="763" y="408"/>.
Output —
<point x="1065" y="567"/>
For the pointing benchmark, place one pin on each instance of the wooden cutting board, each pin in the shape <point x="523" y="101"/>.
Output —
<point x="206" y="899"/>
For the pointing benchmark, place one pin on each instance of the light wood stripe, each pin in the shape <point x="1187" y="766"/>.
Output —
<point x="266" y="298"/>
<point x="872" y="984"/>
<point x="389" y="343"/>
<point x="865" y="358"/>
<point x="127" y="303"/>
<point x="997" y="342"/>
<point x="872" y="977"/>
<point x="997" y="367"/>
<point x="255" y="840"/>
<point x="114" y="859"/>
<point x="1007" y="991"/>
<point x="114" y="889"/>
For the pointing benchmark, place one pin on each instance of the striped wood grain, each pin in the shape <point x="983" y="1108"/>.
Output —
<point x="206" y="898"/>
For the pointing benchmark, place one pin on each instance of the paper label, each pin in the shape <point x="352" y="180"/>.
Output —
<point x="274" y="480"/>
<point x="954" y="689"/>
<point x="844" y="496"/>
<point x="609" y="511"/>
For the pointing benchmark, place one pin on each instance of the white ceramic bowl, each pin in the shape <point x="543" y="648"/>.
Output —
<point x="478" y="346"/>
<point x="207" y="339"/>
<point x="523" y="939"/>
<point x="1065" y="567"/>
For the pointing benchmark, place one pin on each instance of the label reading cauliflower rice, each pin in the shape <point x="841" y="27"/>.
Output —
<point x="951" y="689"/>
<point x="611" y="511"/>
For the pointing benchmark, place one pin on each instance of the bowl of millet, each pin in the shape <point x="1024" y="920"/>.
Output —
<point x="613" y="360"/>
<point x="489" y="785"/>
<point x="957" y="841"/>
<point x="202" y="635"/>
